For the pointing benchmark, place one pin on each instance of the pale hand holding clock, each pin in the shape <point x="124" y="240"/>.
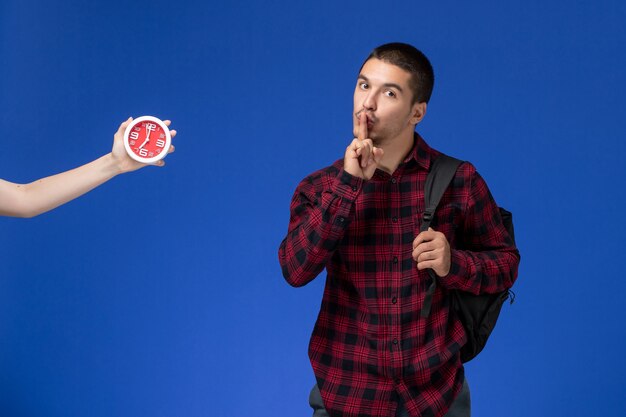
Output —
<point x="125" y="162"/>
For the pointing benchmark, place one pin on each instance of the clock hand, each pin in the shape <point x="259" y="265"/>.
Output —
<point x="149" y="130"/>
<point x="144" y="142"/>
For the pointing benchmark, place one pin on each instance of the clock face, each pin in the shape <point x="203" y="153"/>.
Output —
<point x="147" y="139"/>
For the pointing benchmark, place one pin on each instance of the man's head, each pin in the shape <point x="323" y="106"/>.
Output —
<point x="393" y="87"/>
<point x="413" y="61"/>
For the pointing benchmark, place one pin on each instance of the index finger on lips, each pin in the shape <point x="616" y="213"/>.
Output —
<point x="362" y="126"/>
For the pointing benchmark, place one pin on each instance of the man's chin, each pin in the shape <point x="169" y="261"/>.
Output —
<point x="376" y="139"/>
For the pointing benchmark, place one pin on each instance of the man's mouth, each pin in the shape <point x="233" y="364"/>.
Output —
<point x="370" y="119"/>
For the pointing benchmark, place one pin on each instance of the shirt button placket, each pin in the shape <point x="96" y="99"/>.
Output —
<point x="395" y="343"/>
<point x="396" y="350"/>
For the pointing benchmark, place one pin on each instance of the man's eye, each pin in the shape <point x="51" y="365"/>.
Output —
<point x="390" y="93"/>
<point x="364" y="86"/>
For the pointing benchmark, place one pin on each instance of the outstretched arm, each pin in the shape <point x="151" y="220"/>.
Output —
<point x="29" y="200"/>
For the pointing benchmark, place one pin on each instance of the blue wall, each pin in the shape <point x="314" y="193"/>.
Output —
<point x="203" y="324"/>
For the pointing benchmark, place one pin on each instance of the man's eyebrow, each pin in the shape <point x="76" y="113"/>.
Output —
<point x="392" y="85"/>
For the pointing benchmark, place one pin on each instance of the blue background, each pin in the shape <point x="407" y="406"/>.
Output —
<point x="197" y="320"/>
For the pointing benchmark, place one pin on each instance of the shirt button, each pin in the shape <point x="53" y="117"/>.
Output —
<point x="395" y="341"/>
<point x="354" y="188"/>
<point x="394" y="300"/>
<point x="341" y="219"/>
<point x="394" y="219"/>
<point x="395" y="260"/>
<point x="393" y="180"/>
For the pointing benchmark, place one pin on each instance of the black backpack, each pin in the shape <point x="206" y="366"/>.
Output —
<point x="478" y="313"/>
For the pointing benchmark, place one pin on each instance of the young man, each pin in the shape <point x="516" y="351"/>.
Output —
<point x="371" y="351"/>
<point x="45" y="194"/>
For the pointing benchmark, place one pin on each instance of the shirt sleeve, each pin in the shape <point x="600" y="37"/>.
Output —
<point x="321" y="210"/>
<point x="488" y="260"/>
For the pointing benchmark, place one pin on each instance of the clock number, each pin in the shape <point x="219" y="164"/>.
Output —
<point x="160" y="143"/>
<point x="150" y="127"/>
<point x="143" y="152"/>
<point x="134" y="135"/>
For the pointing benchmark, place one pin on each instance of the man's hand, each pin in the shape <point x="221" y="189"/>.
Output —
<point x="124" y="162"/>
<point x="362" y="157"/>
<point x="432" y="250"/>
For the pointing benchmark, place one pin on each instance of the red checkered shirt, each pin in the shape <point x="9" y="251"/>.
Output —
<point x="369" y="344"/>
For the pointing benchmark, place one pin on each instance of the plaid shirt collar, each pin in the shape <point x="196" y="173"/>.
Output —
<point x="420" y="153"/>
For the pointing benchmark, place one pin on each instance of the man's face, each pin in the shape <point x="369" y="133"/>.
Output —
<point x="382" y="91"/>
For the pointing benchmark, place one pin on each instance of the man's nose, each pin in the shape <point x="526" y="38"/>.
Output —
<point x="369" y="101"/>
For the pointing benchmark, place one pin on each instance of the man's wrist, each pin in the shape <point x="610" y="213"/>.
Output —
<point x="458" y="269"/>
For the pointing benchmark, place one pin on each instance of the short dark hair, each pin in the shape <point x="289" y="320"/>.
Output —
<point x="411" y="60"/>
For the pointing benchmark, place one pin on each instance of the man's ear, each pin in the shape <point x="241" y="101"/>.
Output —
<point x="418" y="112"/>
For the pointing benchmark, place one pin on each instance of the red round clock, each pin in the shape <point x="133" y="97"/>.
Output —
<point x="147" y="139"/>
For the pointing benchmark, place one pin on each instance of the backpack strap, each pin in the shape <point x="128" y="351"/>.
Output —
<point x="441" y="173"/>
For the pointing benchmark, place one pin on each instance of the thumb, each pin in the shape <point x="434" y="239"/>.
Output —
<point x="124" y="125"/>
<point x="378" y="154"/>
